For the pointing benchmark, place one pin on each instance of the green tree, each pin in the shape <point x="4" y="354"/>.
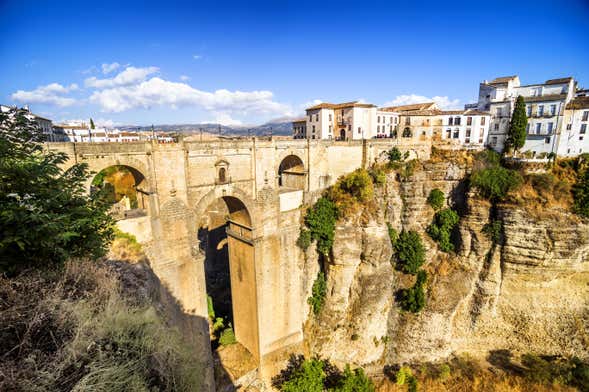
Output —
<point x="413" y="298"/>
<point x="441" y="228"/>
<point x="517" y="128"/>
<point x="410" y="251"/>
<point x="309" y="378"/>
<point x="47" y="215"/>
<point x="320" y="220"/>
<point x="91" y="124"/>
<point x="495" y="183"/>
<point x="318" y="293"/>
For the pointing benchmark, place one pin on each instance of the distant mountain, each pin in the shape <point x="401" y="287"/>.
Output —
<point x="280" y="127"/>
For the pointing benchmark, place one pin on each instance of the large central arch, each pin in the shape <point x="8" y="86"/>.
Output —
<point x="226" y="235"/>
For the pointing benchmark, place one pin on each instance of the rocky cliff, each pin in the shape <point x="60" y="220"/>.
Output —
<point x="529" y="292"/>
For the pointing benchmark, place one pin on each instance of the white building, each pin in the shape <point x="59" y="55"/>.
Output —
<point x="299" y="129"/>
<point x="344" y="121"/>
<point x="574" y="138"/>
<point x="545" y="107"/>
<point x="44" y="124"/>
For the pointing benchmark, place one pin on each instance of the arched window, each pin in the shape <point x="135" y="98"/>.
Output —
<point x="222" y="175"/>
<point x="407" y="132"/>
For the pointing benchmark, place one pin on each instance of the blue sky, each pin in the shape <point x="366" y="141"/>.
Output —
<point x="248" y="62"/>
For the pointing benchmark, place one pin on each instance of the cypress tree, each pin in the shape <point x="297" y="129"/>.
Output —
<point x="517" y="127"/>
<point x="91" y="124"/>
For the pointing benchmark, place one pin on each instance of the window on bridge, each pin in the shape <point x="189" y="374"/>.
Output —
<point x="291" y="173"/>
<point x="123" y="187"/>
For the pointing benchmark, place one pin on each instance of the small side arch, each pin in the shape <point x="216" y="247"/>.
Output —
<point x="292" y="173"/>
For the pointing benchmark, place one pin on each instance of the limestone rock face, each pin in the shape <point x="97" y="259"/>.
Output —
<point x="527" y="293"/>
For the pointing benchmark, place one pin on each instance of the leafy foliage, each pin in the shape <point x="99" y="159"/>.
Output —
<point x="410" y="252"/>
<point x="441" y="228"/>
<point x="351" y="190"/>
<point x="581" y="193"/>
<point x="496" y="182"/>
<point x="320" y="220"/>
<point x="304" y="239"/>
<point x="320" y="375"/>
<point x="413" y="298"/>
<point x="378" y="175"/>
<point x="227" y="336"/>
<point x="47" y="216"/>
<point x="393" y="235"/>
<point x="517" y="127"/>
<point x="394" y="155"/>
<point x="494" y="230"/>
<point x="318" y="293"/>
<point x="436" y="199"/>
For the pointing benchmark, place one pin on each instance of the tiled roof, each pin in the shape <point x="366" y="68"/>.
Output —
<point x="579" y="103"/>
<point x="412" y="107"/>
<point x="327" y="105"/>
<point x="559" y="81"/>
<point x="300" y="120"/>
<point x="502" y="79"/>
<point x="543" y="98"/>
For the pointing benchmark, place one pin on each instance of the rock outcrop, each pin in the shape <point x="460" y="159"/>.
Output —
<point x="527" y="293"/>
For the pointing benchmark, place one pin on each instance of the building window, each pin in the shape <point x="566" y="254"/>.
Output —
<point x="529" y="110"/>
<point x="451" y="121"/>
<point x="481" y="140"/>
<point x="467" y="140"/>
<point x="408" y="121"/>
<point x="499" y="112"/>
<point x="317" y="117"/>
<point x="538" y="128"/>
<point x="550" y="125"/>
<point x="330" y="127"/>
<point x="553" y="109"/>
<point x="448" y="133"/>
<point x="457" y="121"/>
<point x="583" y="128"/>
<point x="468" y="133"/>
<point x="585" y="115"/>
<point x="378" y="128"/>
<point x="569" y="126"/>
<point x="483" y="120"/>
<point x="494" y="140"/>
<point x="469" y="121"/>
<point x="547" y="140"/>
<point x="580" y="137"/>
<point x="378" y="119"/>
<point x="456" y="134"/>
<point x="496" y="127"/>
<point x="310" y="117"/>
<point x="540" y="110"/>
<point x="313" y="128"/>
<point x="330" y="117"/>
<point x="359" y="130"/>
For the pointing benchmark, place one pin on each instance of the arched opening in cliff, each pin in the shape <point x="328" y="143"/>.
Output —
<point x="291" y="173"/>
<point x="125" y="188"/>
<point x="225" y="236"/>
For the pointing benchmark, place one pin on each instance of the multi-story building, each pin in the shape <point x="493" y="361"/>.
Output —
<point x="299" y="128"/>
<point x="344" y="121"/>
<point x="574" y="139"/>
<point x="545" y="106"/>
<point x="44" y="124"/>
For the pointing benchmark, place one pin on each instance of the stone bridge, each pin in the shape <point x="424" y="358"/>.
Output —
<point x="261" y="186"/>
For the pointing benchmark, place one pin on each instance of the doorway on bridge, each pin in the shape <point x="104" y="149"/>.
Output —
<point x="225" y="236"/>
<point x="124" y="188"/>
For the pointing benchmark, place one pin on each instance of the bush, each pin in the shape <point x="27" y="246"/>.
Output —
<point x="320" y="220"/>
<point x="227" y="337"/>
<point x="393" y="235"/>
<point x="436" y="199"/>
<point x="351" y="190"/>
<point x="47" y="216"/>
<point x="494" y="230"/>
<point x="319" y="291"/>
<point x="581" y="193"/>
<point x="495" y="183"/>
<point x="304" y="239"/>
<point x="410" y="252"/>
<point x="413" y="298"/>
<point x="441" y="228"/>
<point x="320" y="375"/>
<point x="379" y="177"/>
<point x="394" y="155"/>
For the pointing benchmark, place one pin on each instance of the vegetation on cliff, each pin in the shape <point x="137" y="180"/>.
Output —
<point x="410" y="252"/>
<point x="412" y="299"/>
<point x="320" y="219"/>
<point x="316" y="375"/>
<point x="436" y="199"/>
<point x="47" y="215"/>
<point x="441" y="228"/>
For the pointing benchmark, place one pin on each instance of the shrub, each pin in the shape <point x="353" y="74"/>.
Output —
<point x="354" y="381"/>
<point x="581" y="193"/>
<point x="47" y="216"/>
<point x="378" y="176"/>
<point x="413" y="298"/>
<point x="495" y="183"/>
<point x="409" y="169"/>
<point x="436" y="199"/>
<point x="227" y="336"/>
<point x="441" y="228"/>
<point x="487" y="159"/>
<point x="321" y="222"/>
<point x="410" y="252"/>
<point x="319" y="290"/>
<point x="356" y="185"/>
<point x="304" y="239"/>
<point x="394" y="155"/>
<point x="494" y="230"/>
<point x="309" y="377"/>
<point x="393" y="235"/>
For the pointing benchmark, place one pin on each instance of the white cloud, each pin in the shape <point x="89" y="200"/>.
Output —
<point x="184" y="78"/>
<point x="196" y="56"/>
<point x="50" y="94"/>
<point x="159" y="92"/>
<point x="131" y="75"/>
<point x="108" y="68"/>
<point x="225" y="119"/>
<point x="443" y="102"/>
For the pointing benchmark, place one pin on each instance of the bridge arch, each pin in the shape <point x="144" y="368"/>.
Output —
<point x="227" y="233"/>
<point x="137" y="202"/>
<point x="291" y="172"/>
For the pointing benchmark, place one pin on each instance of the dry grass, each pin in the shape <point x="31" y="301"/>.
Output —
<point x="75" y="330"/>
<point x="125" y="247"/>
